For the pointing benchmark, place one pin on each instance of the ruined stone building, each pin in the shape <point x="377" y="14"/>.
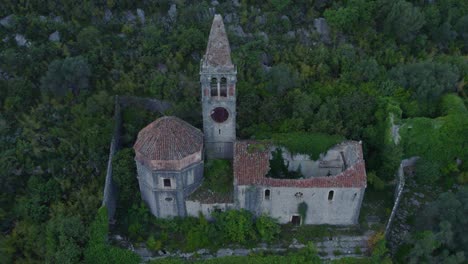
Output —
<point x="170" y="153"/>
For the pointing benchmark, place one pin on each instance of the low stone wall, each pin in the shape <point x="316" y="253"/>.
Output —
<point x="196" y="207"/>
<point x="335" y="248"/>
<point x="399" y="190"/>
<point x="110" y="191"/>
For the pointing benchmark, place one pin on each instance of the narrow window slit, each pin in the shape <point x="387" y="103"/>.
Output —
<point x="214" y="87"/>
<point x="223" y="87"/>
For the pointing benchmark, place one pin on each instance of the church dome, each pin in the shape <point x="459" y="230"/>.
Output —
<point x="169" y="139"/>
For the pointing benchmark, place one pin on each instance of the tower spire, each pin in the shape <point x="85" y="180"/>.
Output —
<point x="218" y="52"/>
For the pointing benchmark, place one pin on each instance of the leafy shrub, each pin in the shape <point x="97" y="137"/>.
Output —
<point x="153" y="244"/>
<point x="138" y="220"/>
<point x="375" y="181"/>
<point x="236" y="226"/>
<point x="267" y="228"/>
<point x="199" y="235"/>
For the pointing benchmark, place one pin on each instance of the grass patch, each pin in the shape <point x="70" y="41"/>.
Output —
<point x="217" y="185"/>
<point x="312" y="144"/>
<point x="218" y="175"/>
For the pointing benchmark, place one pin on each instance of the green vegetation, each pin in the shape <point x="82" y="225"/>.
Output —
<point x="441" y="231"/>
<point x="217" y="183"/>
<point x="312" y="144"/>
<point x="380" y="57"/>
<point x="279" y="168"/>
<point x="65" y="76"/>
<point x="230" y="228"/>
<point x="268" y="229"/>
<point x="306" y="255"/>
<point x="439" y="141"/>
<point x="218" y="176"/>
<point x="133" y="120"/>
<point x="302" y="210"/>
<point x="123" y="174"/>
<point x="98" y="251"/>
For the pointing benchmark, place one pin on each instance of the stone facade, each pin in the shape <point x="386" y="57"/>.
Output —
<point x="337" y="206"/>
<point x="330" y="199"/>
<point x="218" y="93"/>
<point x="169" y="158"/>
<point x="165" y="191"/>
<point x="169" y="161"/>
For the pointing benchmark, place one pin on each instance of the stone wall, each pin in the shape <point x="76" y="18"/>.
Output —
<point x="282" y="203"/>
<point x="399" y="191"/>
<point x="196" y="207"/>
<point x="313" y="168"/>
<point x="333" y="162"/>
<point x="219" y="136"/>
<point x="166" y="202"/>
<point x="110" y="191"/>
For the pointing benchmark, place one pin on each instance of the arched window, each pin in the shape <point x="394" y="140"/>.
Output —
<point x="223" y="90"/>
<point x="267" y="194"/>
<point x="330" y="195"/>
<point x="214" y="87"/>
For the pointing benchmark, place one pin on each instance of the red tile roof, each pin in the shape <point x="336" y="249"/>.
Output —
<point x="251" y="164"/>
<point x="168" y="138"/>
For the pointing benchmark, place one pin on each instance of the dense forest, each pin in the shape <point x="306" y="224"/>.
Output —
<point x="345" y="68"/>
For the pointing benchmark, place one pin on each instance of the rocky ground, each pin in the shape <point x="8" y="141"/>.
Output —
<point x="329" y="248"/>
<point x="414" y="197"/>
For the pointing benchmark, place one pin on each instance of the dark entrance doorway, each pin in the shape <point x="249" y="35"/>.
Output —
<point x="296" y="220"/>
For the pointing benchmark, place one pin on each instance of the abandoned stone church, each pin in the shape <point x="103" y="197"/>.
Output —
<point x="170" y="154"/>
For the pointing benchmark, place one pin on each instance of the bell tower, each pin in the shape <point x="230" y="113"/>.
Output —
<point x="218" y="87"/>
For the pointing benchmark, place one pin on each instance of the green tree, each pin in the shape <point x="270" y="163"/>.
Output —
<point x="426" y="80"/>
<point x="278" y="167"/>
<point x="400" y="19"/>
<point x="280" y="79"/>
<point x="68" y="75"/>
<point x="355" y="16"/>
<point x="462" y="30"/>
<point x="442" y="228"/>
